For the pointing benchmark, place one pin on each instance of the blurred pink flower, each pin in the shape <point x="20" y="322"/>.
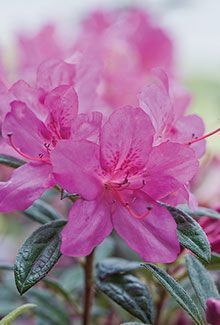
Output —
<point x="212" y="229"/>
<point x="119" y="182"/>
<point x="213" y="311"/>
<point x="33" y="50"/>
<point x="129" y="45"/>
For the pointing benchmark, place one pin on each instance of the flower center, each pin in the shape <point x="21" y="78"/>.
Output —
<point x="116" y="188"/>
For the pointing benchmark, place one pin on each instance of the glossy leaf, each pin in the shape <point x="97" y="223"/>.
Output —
<point x="201" y="280"/>
<point x="176" y="291"/>
<point x="191" y="234"/>
<point x="111" y="266"/>
<point x="7" y="320"/>
<point x="38" y="255"/>
<point x="130" y="293"/>
<point x="10" y="161"/>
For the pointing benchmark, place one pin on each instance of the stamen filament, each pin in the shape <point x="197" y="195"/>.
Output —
<point x="41" y="159"/>
<point x="204" y="136"/>
<point x="127" y="206"/>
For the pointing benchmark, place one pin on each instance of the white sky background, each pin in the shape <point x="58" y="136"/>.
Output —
<point x="193" y="24"/>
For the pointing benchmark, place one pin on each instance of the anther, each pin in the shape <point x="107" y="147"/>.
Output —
<point x="197" y="139"/>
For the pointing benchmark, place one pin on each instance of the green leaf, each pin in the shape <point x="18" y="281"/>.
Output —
<point x="133" y="323"/>
<point x="201" y="280"/>
<point x="201" y="212"/>
<point x="15" y="313"/>
<point x="111" y="266"/>
<point x="191" y="234"/>
<point x="42" y="212"/>
<point x="38" y="255"/>
<point x="10" y="161"/>
<point x="176" y="291"/>
<point x="130" y="293"/>
<point x="50" y="309"/>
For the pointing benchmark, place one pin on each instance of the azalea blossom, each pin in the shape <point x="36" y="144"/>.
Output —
<point x="34" y="133"/>
<point x="167" y="114"/>
<point x="128" y="44"/>
<point x="119" y="181"/>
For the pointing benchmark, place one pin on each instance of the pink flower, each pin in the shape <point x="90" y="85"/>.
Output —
<point x="213" y="311"/>
<point x="120" y="181"/>
<point x="35" y="132"/>
<point x="129" y="45"/>
<point x="212" y="229"/>
<point x="33" y="50"/>
<point x="167" y="114"/>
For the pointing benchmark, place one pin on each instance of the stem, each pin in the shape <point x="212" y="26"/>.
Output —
<point x="160" y="307"/>
<point x="88" y="288"/>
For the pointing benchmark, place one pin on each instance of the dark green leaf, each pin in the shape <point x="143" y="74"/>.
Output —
<point x="38" y="255"/>
<point x="190" y="234"/>
<point x="10" y="161"/>
<point x="130" y="293"/>
<point x="201" y="212"/>
<point x="111" y="266"/>
<point x="7" y="320"/>
<point x="42" y="212"/>
<point x="201" y="280"/>
<point x="50" y="310"/>
<point x="176" y="291"/>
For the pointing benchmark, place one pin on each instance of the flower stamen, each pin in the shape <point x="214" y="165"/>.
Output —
<point x="203" y="137"/>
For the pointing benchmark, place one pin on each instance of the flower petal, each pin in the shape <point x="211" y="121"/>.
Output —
<point x="89" y="223"/>
<point x="86" y="125"/>
<point x="75" y="166"/>
<point x="62" y="104"/>
<point x="26" y="184"/>
<point x="172" y="160"/>
<point x="53" y="73"/>
<point x="153" y="237"/>
<point x="27" y="132"/>
<point x="126" y="139"/>
<point x="154" y="99"/>
<point x="188" y="128"/>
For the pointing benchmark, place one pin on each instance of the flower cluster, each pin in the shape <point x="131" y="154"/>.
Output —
<point x="107" y="127"/>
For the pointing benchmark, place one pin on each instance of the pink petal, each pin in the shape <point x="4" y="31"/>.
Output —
<point x="213" y="311"/>
<point x="28" y="133"/>
<point x="29" y="95"/>
<point x="86" y="125"/>
<point x="172" y="160"/>
<point x="153" y="237"/>
<point x="126" y="139"/>
<point x="188" y="128"/>
<point x="62" y="104"/>
<point x="89" y="223"/>
<point x="75" y="167"/>
<point x="26" y="184"/>
<point x="53" y="73"/>
<point x="154" y="99"/>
